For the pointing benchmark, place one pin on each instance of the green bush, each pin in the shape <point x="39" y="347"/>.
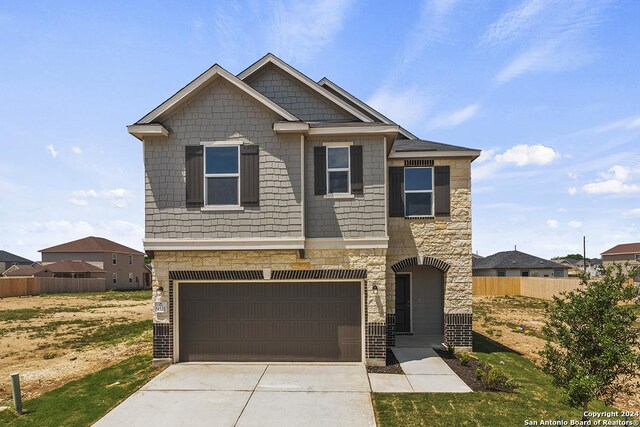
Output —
<point x="451" y="348"/>
<point x="494" y="378"/>
<point x="464" y="359"/>
<point x="479" y="374"/>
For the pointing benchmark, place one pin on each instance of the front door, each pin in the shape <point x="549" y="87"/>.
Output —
<point x="403" y="303"/>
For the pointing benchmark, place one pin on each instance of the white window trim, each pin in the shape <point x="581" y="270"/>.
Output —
<point x="233" y="143"/>
<point x="227" y="142"/>
<point x="347" y="169"/>
<point x="130" y="277"/>
<point x="433" y="198"/>
<point x="130" y="259"/>
<point x="114" y="278"/>
<point x="114" y="259"/>
<point x="337" y="144"/>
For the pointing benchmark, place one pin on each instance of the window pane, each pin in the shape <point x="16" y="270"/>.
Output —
<point x="418" y="204"/>
<point x="338" y="157"/>
<point x="222" y="191"/>
<point x="222" y="160"/>
<point x="338" y="182"/>
<point x="417" y="179"/>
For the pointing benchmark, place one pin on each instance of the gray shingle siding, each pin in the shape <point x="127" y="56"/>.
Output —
<point x="295" y="97"/>
<point x="221" y="112"/>
<point x="361" y="216"/>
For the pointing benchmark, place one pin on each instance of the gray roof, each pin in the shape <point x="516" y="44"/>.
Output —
<point x="514" y="259"/>
<point x="9" y="257"/>
<point x="422" y="145"/>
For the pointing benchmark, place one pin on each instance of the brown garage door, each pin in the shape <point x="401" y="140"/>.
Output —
<point x="311" y="321"/>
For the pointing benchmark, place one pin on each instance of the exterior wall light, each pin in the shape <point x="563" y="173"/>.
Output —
<point x="374" y="288"/>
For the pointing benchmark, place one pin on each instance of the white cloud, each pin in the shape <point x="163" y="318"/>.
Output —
<point x="522" y="155"/>
<point x="454" y="118"/>
<point x="485" y="156"/>
<point x="556" y="35"/>
<point x="625" y="124"/>
<point x="118" y="197"/>
<point x="575" y="224"/>
<point x="52" y="151"/>
<point x="572" y="191"/>
<point x="76" y="150"/>
<point x="633" y="213"/>
<point x="552" y="223"/>
<point x="78" y="202"/>
<point x="614" y="181"/>
<point x="407" y="105"/>
<point x="297" y="37"/>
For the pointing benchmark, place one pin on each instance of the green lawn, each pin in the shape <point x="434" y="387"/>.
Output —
<point x="84" y="401"/>
<point x="536" y="398"/>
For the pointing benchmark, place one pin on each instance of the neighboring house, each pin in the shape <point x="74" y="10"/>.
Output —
<point x="122" y="266"/>
<point x="577" y="267"/>
<point x="8" y="259"/>
<point x="289" y="221"/>
<point x="515" y="263"/>
<point x="626" y="254"/>
<point x="67" y="269"/>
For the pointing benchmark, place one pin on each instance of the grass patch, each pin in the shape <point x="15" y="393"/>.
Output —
<point x="110" y="335"/>
<point x="130" y="295"/>
<point x="84" y="401"/>
<point x="535" y="399"/>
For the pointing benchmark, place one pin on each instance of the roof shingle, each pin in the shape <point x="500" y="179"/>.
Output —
<point x="514" y="259"/>
<point x="92" y="244"/>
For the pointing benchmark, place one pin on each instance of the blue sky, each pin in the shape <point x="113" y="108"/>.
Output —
<point x="548" y="89"/>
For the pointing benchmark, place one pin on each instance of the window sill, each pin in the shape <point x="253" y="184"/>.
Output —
<point x="221" y="208"/>
<point x="420" y="217"/>
<point x="340" y="196"/>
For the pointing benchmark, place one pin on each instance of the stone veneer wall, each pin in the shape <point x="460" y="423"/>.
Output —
<point x="371" y="260"/>
<point x="447" y="239"/>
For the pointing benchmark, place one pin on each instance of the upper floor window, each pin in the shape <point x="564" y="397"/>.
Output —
<point x="418" y="191"/>
<point x="222" y="175"/>
<point x="114" y="259"/>
<point x="338" y="170"/>
<point x="130" y="259"/>
<point x="130" y="277"/>
<point x="114" y="278"/>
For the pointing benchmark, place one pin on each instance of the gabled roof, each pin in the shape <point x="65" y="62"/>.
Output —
<point x="190" y="90"/>
<point x="9" y="257"/>
<point x="514" y="259"/>
<point x="70" y="267"/>
<point x="270" y="58"/>
<point x="92" y="244"/>
<point x="402" y="148"/>
<point x="20" y="270"/>
<point x="362" y="106"/>
<point x="623" y="249"/>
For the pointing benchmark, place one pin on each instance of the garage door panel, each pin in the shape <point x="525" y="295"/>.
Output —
<point x="314" y="321"/>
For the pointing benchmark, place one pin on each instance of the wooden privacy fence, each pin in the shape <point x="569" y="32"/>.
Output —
<point x="21" y="286"/>
<point x="535" y="287"/>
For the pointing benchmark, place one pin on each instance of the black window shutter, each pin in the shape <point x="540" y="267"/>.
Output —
<point x="357" y="186"/>
<point x="320" y="170"/>
<point x="194" y="176"/>
<point x="249" y="175"/>
<point x="442" y="190"/>
<point x="396" y="191"/>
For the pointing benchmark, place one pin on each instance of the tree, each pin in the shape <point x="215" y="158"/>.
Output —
<point x="592" y="348"/>
<point x="576" y="257"/>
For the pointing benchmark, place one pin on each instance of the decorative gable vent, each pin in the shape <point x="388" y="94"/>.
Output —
<point x="418" y="162"/>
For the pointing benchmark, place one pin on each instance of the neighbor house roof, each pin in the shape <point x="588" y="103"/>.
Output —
<point x="514" y="259"/>
<point x="418" y="147"/>
<point x="9" y="257"/>
<point x="623" y="249"/>
<point x="92" y="244"/>
<point x="71" y="267"/>
<point x="20" y="270"/>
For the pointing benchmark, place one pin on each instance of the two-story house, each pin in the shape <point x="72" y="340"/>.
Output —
<point x="122" y="266"/>
<point x="625" y="254"/>
<point x="289" y="221"/>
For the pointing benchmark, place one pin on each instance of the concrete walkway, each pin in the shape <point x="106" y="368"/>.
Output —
<point x="425" y="372"/>
<point x="207" y="394"/>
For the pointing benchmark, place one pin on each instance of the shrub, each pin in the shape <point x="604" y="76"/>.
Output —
<point x="48" y="356"/>
<point x="451" y="348"/>
<point x="495" y="378"/>
<point x="464" y="359"/>
<point x="479" y="374"/>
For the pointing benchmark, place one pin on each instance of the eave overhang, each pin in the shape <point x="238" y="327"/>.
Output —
<point x="149" y="130"/>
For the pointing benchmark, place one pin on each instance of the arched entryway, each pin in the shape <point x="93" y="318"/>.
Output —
<point x="419" y="300"/>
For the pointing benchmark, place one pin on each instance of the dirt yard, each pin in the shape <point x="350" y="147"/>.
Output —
<point x="53" y="339"/>
<point x="498" y="317"/>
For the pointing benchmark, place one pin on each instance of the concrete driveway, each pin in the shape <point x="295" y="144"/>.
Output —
<point x="194" y="394"/>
